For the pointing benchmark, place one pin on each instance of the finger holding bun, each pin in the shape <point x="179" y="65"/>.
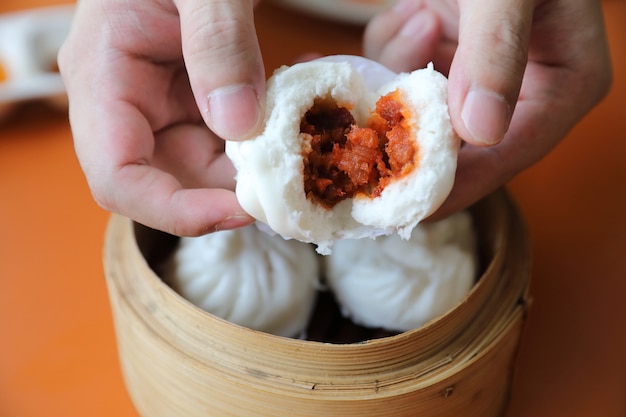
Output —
<point x="349" y="150"/>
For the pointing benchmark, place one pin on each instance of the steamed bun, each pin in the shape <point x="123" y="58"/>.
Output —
<point x="306" y="181"/>
<point x="400" y="284"/>
<point x="247" y="277"/>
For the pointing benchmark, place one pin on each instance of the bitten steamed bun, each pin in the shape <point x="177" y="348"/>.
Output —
<point x="247" y="277"/>
<point x="401" y="284"/>
<point x="349" y="150"/>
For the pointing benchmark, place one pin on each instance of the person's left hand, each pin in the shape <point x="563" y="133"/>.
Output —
<point x="521" y="74"/>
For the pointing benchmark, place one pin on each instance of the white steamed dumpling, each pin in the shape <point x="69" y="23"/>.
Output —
<point x="399" y="284"/>
<point x="248" y="277"/>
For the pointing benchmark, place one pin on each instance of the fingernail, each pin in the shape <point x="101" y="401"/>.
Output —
<point x="486" y="116"/>
<point x="233" y="222"/>
<point x="416" y="25"/>
<point x="234" y="111"/>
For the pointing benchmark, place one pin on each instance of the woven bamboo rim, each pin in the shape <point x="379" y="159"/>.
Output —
<point x="178" y="360"/>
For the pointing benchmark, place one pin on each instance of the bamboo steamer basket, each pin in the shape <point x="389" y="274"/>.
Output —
<point x="178" y="360"/>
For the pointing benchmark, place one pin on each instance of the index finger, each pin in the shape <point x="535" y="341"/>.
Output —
<point x="115" y="150"/>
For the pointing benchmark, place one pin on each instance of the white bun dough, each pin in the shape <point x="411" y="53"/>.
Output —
<point x="401" y="284"/>
<point x="248" y="277"/>
<point x="270" y="167"/>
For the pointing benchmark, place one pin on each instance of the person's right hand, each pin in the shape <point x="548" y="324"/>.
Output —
<point x="144" y="80"/>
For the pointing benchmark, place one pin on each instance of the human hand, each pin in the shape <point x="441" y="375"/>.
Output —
<point x="521" y="74"/>
<point x="144" y="80"/>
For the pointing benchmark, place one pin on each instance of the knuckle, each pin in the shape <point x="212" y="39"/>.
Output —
<point x="508" y="46"/>
<point x="101" y="197"/>
<point x="227" y="33"/>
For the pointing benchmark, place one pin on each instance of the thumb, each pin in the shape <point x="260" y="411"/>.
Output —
<point x="487" y="70"/>
<point x="224" y="64"/>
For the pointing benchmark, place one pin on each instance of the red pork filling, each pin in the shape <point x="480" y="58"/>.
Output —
<point x="343" y="160"/>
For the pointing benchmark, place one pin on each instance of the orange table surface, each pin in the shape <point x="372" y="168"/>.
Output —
<point x="57" y="347"/>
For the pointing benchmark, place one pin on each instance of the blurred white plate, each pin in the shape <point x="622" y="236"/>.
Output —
<point x="29" y="43"/>
<point x="351" y="11"/>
